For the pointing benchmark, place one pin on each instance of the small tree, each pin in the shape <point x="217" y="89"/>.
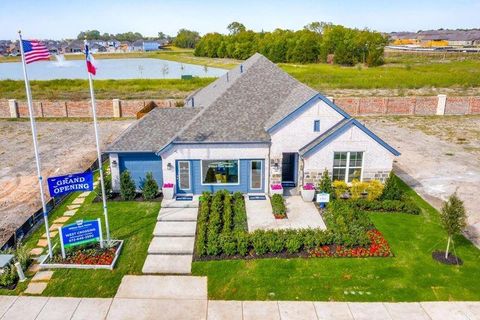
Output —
<point x="391" y="190"/>
<point x="127" y="186"/>
<point x="150" y="187"/>
<point x="325" y="184"/>
<point x="453" y="218"/>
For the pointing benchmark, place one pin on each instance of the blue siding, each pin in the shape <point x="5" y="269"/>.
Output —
<point x="243" y="186"/>
<point x="138" y="164"/>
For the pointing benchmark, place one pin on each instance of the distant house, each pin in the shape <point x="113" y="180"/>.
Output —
<point x="95" y="48"/>
<point x="148" y="45"/>
<point x="125" y="46"/>
<point x="75" y="46"/>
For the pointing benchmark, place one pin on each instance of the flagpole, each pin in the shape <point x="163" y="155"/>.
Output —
<point x="35" y="145"/>
<point x="99" y="155"/>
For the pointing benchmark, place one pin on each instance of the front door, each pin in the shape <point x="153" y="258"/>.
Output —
<point x="288" y="168"/>
<point x="184" y="181"/>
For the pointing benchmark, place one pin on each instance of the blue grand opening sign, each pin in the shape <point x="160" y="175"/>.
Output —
<point x="80" y="232"/>
<point x="70" y="183"/>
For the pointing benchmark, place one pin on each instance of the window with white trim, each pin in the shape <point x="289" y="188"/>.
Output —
<point x="347" y="166"/>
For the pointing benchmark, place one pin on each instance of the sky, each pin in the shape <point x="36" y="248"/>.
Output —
<point x="60" y="19"/>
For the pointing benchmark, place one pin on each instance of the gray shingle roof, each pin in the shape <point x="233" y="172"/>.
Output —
<point x="154" y="130"/>
<point x="238" y="110"/>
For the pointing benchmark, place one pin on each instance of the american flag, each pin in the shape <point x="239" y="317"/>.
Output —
<point x="34" y="51"/>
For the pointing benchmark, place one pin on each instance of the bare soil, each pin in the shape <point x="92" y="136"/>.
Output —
<point x="439" y="155"/>
<point x="65" y="147"/>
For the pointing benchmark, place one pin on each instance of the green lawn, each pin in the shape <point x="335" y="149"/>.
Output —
<point x="412" y="275"/>
<point x="132" y="222"/>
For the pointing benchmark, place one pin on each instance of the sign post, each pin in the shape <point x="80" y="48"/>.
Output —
<point x="70" y="183"/>
<point x="80" y="232"/>
<point x="323" y="198"/>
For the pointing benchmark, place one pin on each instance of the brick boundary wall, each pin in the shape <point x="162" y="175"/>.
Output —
<point x="429" y="105"/>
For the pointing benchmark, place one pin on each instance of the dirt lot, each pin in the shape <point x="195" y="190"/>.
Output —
<point x="440" y="155"/>
<point x="65" y="147"/>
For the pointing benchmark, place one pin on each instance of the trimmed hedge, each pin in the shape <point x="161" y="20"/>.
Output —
<point x="386" y="206"/>
<point x="217" y="236"/>
<point x="278" y="205"/>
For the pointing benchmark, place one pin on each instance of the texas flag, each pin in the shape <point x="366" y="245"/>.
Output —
<point x="91" y="67"/>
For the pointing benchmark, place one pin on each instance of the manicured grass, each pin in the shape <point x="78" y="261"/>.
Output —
<point x="412" y="275"/>
<point x="132" y="222"/>
<point x="64" y="89"/>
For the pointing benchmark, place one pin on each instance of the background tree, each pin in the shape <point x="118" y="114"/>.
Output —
<point x="391" y="190"/>
<point x="453" y="218"/>
<point x="186" y="38"/>
<point x="235" y="27"/>
<point x="90" y="34"/>
<point x="127" y="186"/>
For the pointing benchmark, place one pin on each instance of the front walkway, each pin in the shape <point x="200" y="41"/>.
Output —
<point x="198" y="307"/>
<point x="171" y="249"/>
<point x="301" y="215"/>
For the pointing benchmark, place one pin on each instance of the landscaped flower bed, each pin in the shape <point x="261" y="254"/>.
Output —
<point x="91" y="256"/>
<point x="378" y="248"/>
<point x="222" y="233"/>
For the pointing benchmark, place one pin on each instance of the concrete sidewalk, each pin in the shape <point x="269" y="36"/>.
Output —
<point x="13" y="307"/>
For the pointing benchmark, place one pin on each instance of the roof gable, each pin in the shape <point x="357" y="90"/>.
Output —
<point x="335" y="131"/>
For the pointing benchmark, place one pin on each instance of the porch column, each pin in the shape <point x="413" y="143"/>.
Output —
<point x="115" y="171"/>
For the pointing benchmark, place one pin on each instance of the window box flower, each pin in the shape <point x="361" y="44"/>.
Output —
<point x="168" y="191"/>
<point x="276" y="189"/>
<point x="308" y="192"/>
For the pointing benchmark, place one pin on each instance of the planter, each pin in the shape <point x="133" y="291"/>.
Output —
<point x="276" y="191"/>
<point x="45" y="264"/>
<point x="308" y="195"/>
<point x="167" y="193"/>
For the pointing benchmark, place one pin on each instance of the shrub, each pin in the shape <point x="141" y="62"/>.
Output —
<point x="227" y="214"/>
<point x="150" y="187"/>
<point x="259" y="242"/>
<point x="22" y="255"/>
<point x="391" y="190"/>
<point x="340" y="188"/>
<point x="201" y="239"/>
<point x="374" y="189"/>
<point x="325" y="184"/>
<point x="278" y="205"/>
<point x="294" y="241"/>
<point x="357" y="188"/>
<point x="242" y="240"/>
<point x="9" y="276"/>
<point x="127" y="186"/>
<point x="239" y="212"/>
<point x="275" y="241"/>
<point x="386" y="206"/>
<point x="228" y="244"/>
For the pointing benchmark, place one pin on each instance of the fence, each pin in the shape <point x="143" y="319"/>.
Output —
<point x="36" y="219"/>
<point x="116" y="108"/>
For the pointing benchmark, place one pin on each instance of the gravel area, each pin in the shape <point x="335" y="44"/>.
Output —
<point x="440" y="155"/>
<point x="66" y="146"/>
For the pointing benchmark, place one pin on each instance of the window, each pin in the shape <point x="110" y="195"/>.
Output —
<point x="220" y="172"/>
<point x="347" y="166"/>
<point x="256" y="174"/>
<point x="316" y="125"/>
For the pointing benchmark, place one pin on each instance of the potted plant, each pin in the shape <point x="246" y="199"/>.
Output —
<point x="308" y="192"/>
<point x="167" y="191"/>
<point x="276" y="189"/>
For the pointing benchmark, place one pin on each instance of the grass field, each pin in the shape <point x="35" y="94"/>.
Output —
<point x="425" y="74"/>
<point x="412" y="275"/>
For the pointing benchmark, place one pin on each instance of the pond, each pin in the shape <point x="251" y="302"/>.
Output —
<point x="143" y="68"/>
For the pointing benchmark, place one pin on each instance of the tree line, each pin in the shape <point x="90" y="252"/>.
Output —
<point x="316" y="42"/>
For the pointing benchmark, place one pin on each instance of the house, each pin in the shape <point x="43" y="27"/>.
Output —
<point x="75" y="46"/>
<point x="148" y="45"/>
<point x="253" y="127"/>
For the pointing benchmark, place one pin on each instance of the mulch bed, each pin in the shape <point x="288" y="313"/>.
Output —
<point x="115" y="197"/>
<point x="450" y="260"/>
<point x="88" y="256"/>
